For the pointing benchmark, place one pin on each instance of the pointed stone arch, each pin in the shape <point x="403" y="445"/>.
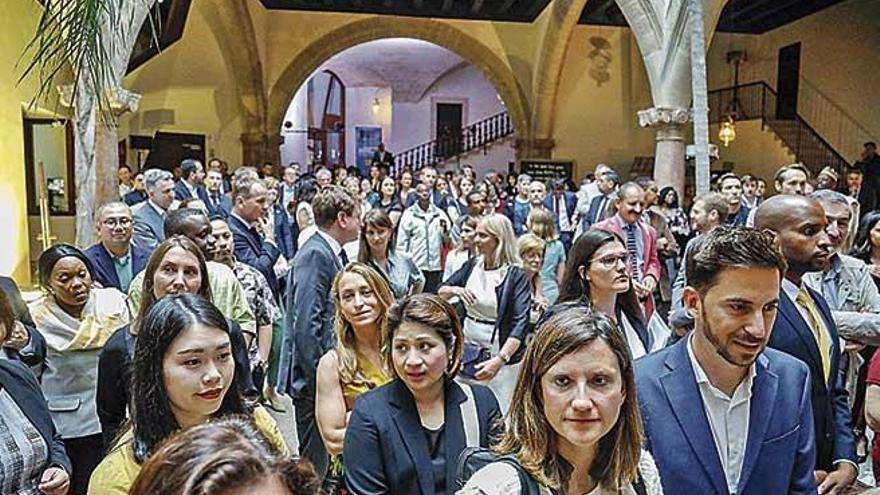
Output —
<point x="545" y="81"/>
<point x="441" y="33"/>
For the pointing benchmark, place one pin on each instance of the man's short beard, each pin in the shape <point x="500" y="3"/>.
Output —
<point x="710" y="336"/>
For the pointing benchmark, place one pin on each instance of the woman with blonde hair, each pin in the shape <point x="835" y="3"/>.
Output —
<point x="355" y="365"/>
<point x="542" y="223"/>
<point x="531" y="250"/>
<point x="495" y="292"/>
<point x="574" y="425"/>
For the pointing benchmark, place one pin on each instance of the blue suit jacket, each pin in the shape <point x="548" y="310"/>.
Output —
<point x="181" y="192"/>
<point x="283" y="233"/>
<point x="386" y="450"/>
<point x="596" y="216"/>
<point x="102" y="264"/>
<point x="834" y="438"/>
<point x="780" y="452"/>
<point x="309" y="324"/>
<point x="252" y="250"/>
<point x="570" y="200"/>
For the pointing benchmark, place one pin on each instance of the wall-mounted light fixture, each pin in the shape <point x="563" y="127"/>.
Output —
<point x="376" y="105"/>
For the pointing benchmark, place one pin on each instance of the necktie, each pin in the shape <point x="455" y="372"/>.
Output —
<point x="633" y="250"/>
<point x="343" y="257"/>
<point x="215" y="199"/>
<point x="819" y="332"/>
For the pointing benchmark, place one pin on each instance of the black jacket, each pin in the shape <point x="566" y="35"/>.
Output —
<point x="21" y="384"/>
<point x="514" y="297"/>
<point x="386" y="450"/>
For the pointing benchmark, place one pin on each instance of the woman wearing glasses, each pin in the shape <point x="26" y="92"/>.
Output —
<point x="597" y="275"/>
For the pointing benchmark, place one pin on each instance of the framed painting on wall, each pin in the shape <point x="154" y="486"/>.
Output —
<point x="367" y="139"/>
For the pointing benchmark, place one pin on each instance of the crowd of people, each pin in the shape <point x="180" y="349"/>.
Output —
<point x="443" y="333"/>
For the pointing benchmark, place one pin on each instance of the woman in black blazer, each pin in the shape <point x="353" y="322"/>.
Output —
<point x="27" y="460"/>
<point x="497" y="297"/>
<point x="404" y="438"/>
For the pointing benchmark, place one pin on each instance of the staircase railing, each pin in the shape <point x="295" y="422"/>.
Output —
<point x="478" y="135"/>
<point x="758" y="101"/>
<point x="840" y="128"/>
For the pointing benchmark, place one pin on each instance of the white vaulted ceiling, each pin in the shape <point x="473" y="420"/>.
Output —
<point x="408" y="66"/>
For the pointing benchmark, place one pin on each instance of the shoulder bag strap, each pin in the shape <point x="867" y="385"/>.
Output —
<point x="469" y="417"/>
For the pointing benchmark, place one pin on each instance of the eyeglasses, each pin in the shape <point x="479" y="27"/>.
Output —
<point x="113" y="222"/>
<point x="611" y="260"/>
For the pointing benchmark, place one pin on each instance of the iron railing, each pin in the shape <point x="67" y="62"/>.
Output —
<point x="758" y="101"/>
<point x="478" y="135"/>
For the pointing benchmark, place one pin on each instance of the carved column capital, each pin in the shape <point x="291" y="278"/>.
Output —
<point x="669" y="121"/>
<point x="119" y="99"/>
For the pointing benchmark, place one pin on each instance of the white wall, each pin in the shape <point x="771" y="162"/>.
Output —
<point x="359" y="112"/>
<point x="412" y="123"/>
<point x="296" y="138"/>
<point x="495" y="159"/>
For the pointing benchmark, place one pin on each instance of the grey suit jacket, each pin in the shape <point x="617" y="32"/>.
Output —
<point x="149" y="226"/>
<point x="858" y="314"/>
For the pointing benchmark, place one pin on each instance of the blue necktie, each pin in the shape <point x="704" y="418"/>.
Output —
<point x="633" y="250"/>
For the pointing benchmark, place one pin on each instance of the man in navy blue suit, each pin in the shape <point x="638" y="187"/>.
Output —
<point x="806" y="330"/>
<point x="309" y="326"/>
<point x="192" y="182"/>
<point x="115" y="260"/>
<point x="722" y="413"/>
<point x="254" y="236"/>
<point x="563" y="204"/>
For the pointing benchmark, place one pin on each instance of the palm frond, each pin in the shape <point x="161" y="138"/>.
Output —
<point x="79" y="35"/>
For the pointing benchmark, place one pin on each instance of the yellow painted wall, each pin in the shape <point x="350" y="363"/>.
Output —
<point x="755" y="151"/>
<point x="16" y="28"/>
<point x="188" y="88"/>
<point x="840" y="47"/>
<point x="595" y="118"/>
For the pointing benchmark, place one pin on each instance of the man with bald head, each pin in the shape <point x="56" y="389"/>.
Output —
<point x="806" y="330"/>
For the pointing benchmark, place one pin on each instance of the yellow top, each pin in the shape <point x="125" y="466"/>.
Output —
<point x="375" y="377"/>
<point x="115" y="474"/>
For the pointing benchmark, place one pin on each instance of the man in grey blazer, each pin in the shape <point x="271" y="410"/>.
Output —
<point x="149" y="216"/>
<point x="309" y="326"/>
<point x="846" y="283"/>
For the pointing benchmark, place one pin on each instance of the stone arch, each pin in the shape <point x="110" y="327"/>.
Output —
<point x="440" y="33"/>
<point x="562" y="21"/>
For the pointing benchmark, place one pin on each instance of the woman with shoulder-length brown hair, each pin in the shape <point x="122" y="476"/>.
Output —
<point x="229" y="455"/>
<point x="574" y="422"/>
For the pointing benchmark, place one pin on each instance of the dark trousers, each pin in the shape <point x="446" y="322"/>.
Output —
<point x="311" y="446"/>
<point x="85" y="454"/>
<point x="566" y="238"/>
<point x="432" y="281"/>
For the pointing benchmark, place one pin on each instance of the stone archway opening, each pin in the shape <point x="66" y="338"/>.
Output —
<point x="490" y="65"/>
<point x="413" y="96"/>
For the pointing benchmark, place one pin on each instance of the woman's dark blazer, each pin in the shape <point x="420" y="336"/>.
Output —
<point x="21" y="384"/>
<point x="386" y="450"/>
<point x="514" y="297"/>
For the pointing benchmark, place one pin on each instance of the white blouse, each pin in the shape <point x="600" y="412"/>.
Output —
<point x="500" y="478"/>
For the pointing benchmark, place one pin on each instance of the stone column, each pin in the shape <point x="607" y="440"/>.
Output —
<point x="260" y="147"/>
<point x="97" y="158"/>
<point x="669" y="159"/>
<point x="539" y="148"/>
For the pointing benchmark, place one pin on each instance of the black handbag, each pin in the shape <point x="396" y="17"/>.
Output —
<point x="472" y="356"/>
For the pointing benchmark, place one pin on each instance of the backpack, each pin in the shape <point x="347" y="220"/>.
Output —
<point x="472" y="459"/>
